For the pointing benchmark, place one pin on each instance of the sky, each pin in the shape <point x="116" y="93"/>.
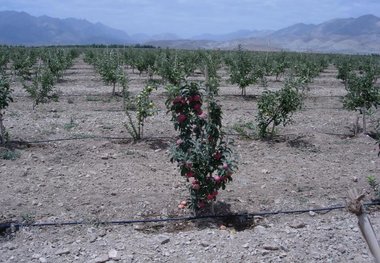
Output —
<point x="188" y="18"/>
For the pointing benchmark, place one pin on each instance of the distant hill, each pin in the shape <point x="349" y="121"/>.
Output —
<point x="349" y="35"/>
<point x="20" y="28"/>
<point x="241" y="34"/>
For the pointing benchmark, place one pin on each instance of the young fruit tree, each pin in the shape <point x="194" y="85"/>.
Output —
<point x="362" y="95"/>
<point x="109" y="65"/>
<point x="277" y="107"/>
<point x="345" y="66"/>
<point x="201" y="152"/>
<point x="144" y="109"/>
<point x="210" y="63"/>
<point x="241" y="68"/>
<point x="41" y="86"/>
<point x="5" y="98"/>
<point x="170" y="68"/>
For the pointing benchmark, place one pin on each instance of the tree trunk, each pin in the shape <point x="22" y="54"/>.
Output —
<point x="2" y="130"/>
<point x="356" y="126"/>
<point x="207" y="93"/>
<point x="272" y="131"/>
<point x="364" y="112"/>
<point x="142" y="130"/>
<point x="213" y="207"/>
<point x="113" y="89"/>
<point x="243" y="91"/>
<point x="138" y="131"/>
<point x="124" y="99"/>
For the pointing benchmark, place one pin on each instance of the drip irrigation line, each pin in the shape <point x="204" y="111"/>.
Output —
<point x="250" y="97"/>
<point x="4" y="226"/>
<point x="144" y="139"/>
<point x="87" y="138"/>
<point x="72" y="95"/>
<point x="102" y="137"/>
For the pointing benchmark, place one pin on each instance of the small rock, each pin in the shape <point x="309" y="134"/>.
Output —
<point x="271" y="247"/>
<point x="355" y="179"/>
<point x="93" y="238"/>
<point x="223" y="227"/>
<point x="342" y="249"/>
<point x="204" y="244"/>
<point x="129" y="259"/>
<point x="42" y="260"/>
<point x="63" y="251"/>
<point x="102" y="233"/>
<point x="35" y="256"/>
<point x="312" y="213"/>
<point x="114" y="254"/>
<point x="10" y="246"/>
<point x="298" y="225"/>
<point x="138" y="227"/>
<point x="246" y="245"/>
<point x="104" y="157"/>
<point x="101" y="259"/>
<point x="284" y="248"/>
<point x="265" y="171"/>
<point x="162" y="239"/>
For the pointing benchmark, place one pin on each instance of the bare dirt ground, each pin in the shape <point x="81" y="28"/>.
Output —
<point x="311" y="164"/>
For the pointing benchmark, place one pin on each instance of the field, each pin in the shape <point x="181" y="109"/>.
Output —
<point x="311" y="163"/>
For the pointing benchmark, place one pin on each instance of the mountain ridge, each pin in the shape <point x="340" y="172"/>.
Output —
<point x="342" y="35"/>
<point x="20" y="28"/>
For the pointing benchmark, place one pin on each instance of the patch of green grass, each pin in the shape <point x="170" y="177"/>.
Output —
<point x="94" y="98"/>
<point x="83" y="135"/>
<point x="245" y="130"/>
<point x="374" y="186"/>
<point x="70" y="125"/>
<point x="8" y="154"/>
<point x="27" y="219"/>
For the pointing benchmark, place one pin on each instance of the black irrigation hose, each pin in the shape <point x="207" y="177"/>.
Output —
<point x="226" y="95"/>
<point x="102" y="137"/>
<point x="71" y="95"/>
<point x="130" y="138"/>
<point x="88" y="137"/>
<point x="4" y="226"/>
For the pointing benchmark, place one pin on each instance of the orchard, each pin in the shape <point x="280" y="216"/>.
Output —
<point x="98" y="134"/>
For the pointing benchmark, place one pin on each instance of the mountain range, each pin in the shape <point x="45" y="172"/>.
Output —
<point x="20" y="28"/>
<point x="347" y="35"/>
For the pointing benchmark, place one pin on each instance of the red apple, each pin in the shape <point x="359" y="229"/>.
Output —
<point x="181" y="118"/>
